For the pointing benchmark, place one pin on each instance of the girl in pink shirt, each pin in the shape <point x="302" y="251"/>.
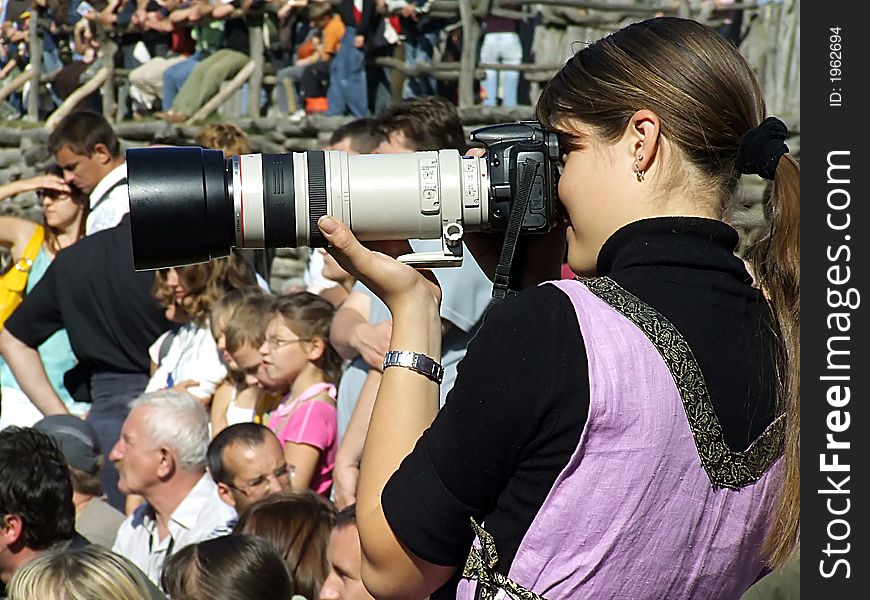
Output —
<point x="297" y="352"/>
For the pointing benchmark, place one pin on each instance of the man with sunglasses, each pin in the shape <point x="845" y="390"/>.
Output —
<point x="247" y="463"/>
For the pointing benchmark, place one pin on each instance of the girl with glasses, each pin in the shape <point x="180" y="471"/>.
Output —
<point x="297" y="352"/>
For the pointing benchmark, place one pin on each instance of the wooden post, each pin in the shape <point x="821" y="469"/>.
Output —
<point x="470" y="13"/>
<point x="80" y="93"/>
<point x="108" y="49"/>
<point x="257" y="51"/>
<point x="36" y="29"/>
<point x="15" y="84"/>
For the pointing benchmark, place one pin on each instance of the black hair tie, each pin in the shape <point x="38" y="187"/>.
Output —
<point x="761" y="148"/>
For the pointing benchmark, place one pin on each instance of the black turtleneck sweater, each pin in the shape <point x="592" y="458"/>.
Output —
<point x="519" y="405"/>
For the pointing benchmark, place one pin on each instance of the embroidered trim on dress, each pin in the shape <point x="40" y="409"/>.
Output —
<point x="724" y="467"/>
<point x="480" y="566"/>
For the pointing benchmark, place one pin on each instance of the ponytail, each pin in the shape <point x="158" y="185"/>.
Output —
<point x="775" y="261"/>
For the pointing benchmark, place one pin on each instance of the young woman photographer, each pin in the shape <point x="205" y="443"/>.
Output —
<point x="619" y="436"/>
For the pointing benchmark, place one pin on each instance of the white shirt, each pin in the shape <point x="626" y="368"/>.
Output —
<point x="193" y="354"/>
<point x="202" y="515"/>
<point x="109" y="201"/>
<point x="313" y="277"/>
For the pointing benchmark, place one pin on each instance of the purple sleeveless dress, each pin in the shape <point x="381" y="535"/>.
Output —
<point x="652" y="504"/>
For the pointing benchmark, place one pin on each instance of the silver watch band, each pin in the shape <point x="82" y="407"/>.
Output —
<point x="415" y="361"/>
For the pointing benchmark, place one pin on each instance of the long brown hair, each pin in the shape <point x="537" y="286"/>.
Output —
<point x="707" y="97"/>
<point x="205" y="283"/>
<point x="298" y="524"/>
<point x="80" y="199"/>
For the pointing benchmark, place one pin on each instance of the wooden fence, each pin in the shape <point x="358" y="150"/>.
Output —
<point x="770" y="39"/>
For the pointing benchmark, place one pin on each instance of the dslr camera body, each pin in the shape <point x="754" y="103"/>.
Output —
<point x="189" y="205"/>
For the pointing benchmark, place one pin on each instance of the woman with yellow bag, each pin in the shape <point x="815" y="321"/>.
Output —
<point x="33" y="247"/>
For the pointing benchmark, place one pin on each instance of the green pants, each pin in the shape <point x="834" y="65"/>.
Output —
<point x="205" y="80"/>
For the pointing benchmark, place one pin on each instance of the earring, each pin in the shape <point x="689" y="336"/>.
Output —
<point x="637" y="170"/>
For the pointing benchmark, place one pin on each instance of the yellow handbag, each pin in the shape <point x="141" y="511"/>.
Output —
<point x="14" y="281"/>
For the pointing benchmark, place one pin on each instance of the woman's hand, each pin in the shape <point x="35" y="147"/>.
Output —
<point x="398" y="285"/>
<point x="32" y="184"/>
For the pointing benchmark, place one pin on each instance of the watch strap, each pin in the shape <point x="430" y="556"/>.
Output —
<point x="415" y="361"/>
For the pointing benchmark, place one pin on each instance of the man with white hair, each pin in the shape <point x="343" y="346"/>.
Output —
<point x="161" y="455"/>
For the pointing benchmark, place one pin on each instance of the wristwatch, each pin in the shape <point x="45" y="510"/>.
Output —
<point x="415" y="361"/>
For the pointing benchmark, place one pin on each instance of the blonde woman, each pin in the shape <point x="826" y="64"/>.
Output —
<point x="187" y="356"/>
<point x="88" y="573"/>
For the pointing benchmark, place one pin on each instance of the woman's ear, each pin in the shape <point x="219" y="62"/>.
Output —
<point x="643" y="133"/>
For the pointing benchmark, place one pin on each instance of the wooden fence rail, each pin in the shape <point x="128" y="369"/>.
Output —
<point x="770" y="34"/>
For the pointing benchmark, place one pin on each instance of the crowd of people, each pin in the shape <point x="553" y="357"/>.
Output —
<point x="322" y="52"/>
<point x="632" y="432"/>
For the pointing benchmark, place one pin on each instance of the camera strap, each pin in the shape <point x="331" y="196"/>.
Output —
<point x="501" y="282"/>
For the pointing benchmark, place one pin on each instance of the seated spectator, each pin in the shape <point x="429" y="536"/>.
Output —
<point x="161" y="456"/>
<point x="227" y="137"/>
<point x="76" y="73"/>
<point x="303" y="81"/>
<point x="36" y="508"/>
<point x="247" y="463"/>
<point x="146" y="80"/>
<point x="207" y="30"/>
<point x="243" y="337"/>
<point x="297" y="352"/>
<point x="207" y="75"/>
<point x="32" y="248"/>
<point x="10" y="67"/>
<point x="187" y="356"/>
<point x="86" y="573"/>
<point x="95" y="518"/>
<point x="228" y="568"/>
<point x="235" y="400"/>
<point x="89" y="153"/>
<point x="345" y="560"/>
<point x="249" y="361"/>
<point x="298" y="526"/>
<point x="360" y="136"/>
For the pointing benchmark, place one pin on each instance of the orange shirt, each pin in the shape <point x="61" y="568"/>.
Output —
<point x="332" y="34"/>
